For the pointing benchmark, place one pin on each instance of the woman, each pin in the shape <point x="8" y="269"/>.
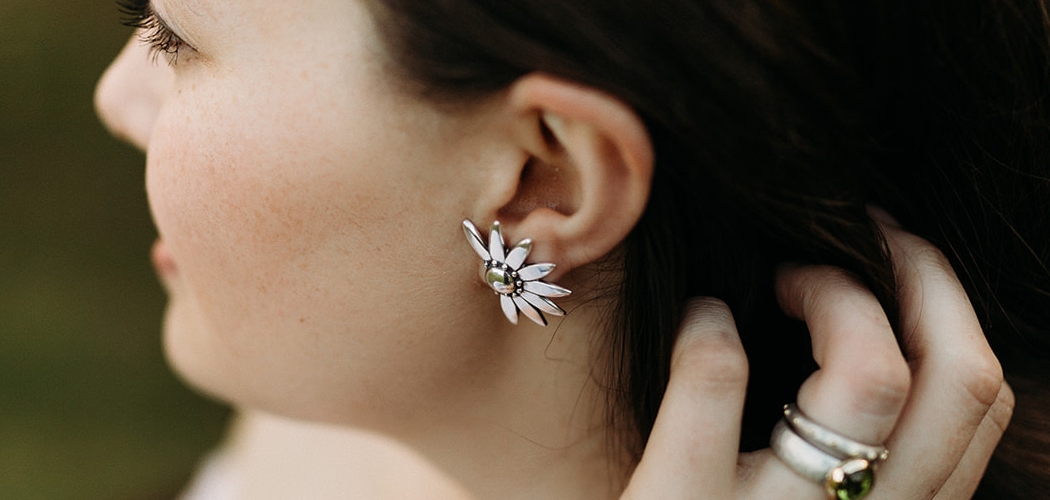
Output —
<point x="306" y="164"/>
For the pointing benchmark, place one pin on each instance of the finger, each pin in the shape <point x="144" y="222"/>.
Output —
<point x="956" y="376"/>
<point x="964" y="480"/>
<point x="694" y="442"/>
<point x="763" y="476"/>
<point x="863" y="380"/>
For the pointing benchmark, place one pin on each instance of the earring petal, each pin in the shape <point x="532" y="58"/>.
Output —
<point x="530" y="312"/>
<point x="509" y="309"/>
<point x="475" y="240"/>
<point x="546" y="289"/>
<point x="535" y="271"/>
<point x="542" y="303"/>
<point x="496" y="250"/>
<point x="519" y="253"/>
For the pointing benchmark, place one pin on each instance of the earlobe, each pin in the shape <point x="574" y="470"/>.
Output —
<point x="588" y="177"/>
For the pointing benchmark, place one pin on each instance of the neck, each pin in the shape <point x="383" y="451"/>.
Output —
<point x="537" y="425"/>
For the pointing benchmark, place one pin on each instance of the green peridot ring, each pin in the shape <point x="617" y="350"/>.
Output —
<point x="843" y="477"/>
<point x="851" y="480"/>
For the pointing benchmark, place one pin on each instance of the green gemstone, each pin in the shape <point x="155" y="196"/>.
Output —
<point x="854" y="483"/>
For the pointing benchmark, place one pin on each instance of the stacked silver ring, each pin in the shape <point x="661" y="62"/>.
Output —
<point x="843" y="466"/>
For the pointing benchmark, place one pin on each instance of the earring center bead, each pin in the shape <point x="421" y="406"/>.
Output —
<point x="501" y="279"/>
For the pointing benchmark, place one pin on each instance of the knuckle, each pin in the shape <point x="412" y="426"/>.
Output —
<point x="882" y="387"/>
<point x="836" y="276"/>
<point x="927" y="253"/>
<point x="810" y="282"/>
<point x="928" y="257"/>
<point x="982" y="380"/>
<point x="1003" y="409"/>
<point x="828" y="281"/>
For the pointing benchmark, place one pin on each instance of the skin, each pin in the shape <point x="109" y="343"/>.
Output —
<point x="309" y="213"/>
<point x="269" y="457"/>
<point x="309" y="278"/>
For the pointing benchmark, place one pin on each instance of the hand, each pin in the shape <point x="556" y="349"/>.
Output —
<point x="940" y="407"/>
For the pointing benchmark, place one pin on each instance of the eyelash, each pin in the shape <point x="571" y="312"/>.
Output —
<point x="161" y="40"/>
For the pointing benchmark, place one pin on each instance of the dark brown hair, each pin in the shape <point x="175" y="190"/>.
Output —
<point x="774" y="125"/>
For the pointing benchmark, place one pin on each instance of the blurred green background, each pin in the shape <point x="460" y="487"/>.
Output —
<point x="88" y="409"/>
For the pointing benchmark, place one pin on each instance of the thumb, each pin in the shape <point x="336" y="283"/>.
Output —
<point x="696" y="436"/>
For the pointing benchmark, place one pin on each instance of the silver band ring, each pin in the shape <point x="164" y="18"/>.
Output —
<point x="846" y="478"/>
<point x="829" y="440"/>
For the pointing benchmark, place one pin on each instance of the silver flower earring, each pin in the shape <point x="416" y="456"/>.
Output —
<point x="519" y="288"/>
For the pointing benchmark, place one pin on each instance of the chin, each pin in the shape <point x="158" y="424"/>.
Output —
<point x="236" y="379"/>
<point x="189" y="355"/>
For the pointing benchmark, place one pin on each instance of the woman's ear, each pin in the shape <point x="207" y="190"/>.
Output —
<point x="587" y="176"/>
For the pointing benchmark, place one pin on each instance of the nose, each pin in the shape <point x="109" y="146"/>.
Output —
<point x="131" y="92"/>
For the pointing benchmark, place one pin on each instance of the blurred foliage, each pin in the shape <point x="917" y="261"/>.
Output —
<point x="88" y="409"/>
